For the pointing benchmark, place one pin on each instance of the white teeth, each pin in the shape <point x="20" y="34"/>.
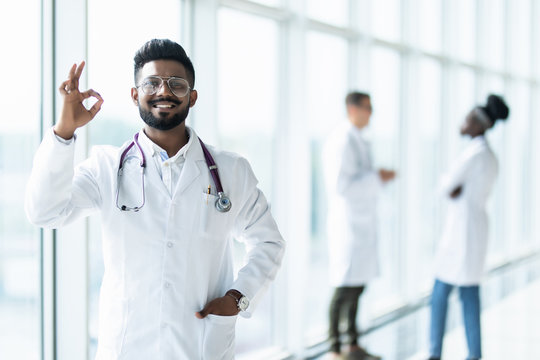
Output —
<point x="164" y="106"/>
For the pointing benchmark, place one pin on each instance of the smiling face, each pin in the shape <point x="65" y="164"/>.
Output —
<point x="162" y="110"/>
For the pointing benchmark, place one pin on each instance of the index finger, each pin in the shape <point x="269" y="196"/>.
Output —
<point x="79" y="70"/>
<point x="72" y="71"/>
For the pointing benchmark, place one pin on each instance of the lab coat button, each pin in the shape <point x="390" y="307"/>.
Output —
<point x="170" y="244"/>
<point x="167" y="285"/>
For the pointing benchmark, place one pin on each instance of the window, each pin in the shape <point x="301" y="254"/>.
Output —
<point x="462" y="90"/>
<point x="247" y="103"/>
<point x="428" y="24"/>
<point x="519" y="52"/>
<point x="20" y="300"/>
<point x="334" y="12"/>
<point x="463" y="29"/>
<point x="386" y="19"/>
<point x="497" y="242"/>
<point x="422" y="174"/>
<point x="384" y="292"/>
<point x="275" y="85"/>
<point x="515" y="169"/>
<point x="492" y="50"/>
<point x="326" y="89"/>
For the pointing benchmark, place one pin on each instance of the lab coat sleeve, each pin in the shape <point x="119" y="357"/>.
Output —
<point x="457" y="176"/>
<point x="57" y="193"/>
<point x="356" y="182"/>
<point x="265" y="247"/>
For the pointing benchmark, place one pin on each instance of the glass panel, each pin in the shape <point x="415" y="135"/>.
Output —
<point x="464" y="29"/>
<point x="535" y="160"/>
<point x="428" y="24"/>
<point x="112" y="77"/>
<point x="514" y="171"/>
<point x="273" y="3"/>
<point x="325" y="110"/>
<point x="247" y="112"/>
<point x="494" y="22"/>
<point x="462" y="100"/>
<point x="536" y="39"/>
<point x="20" y="326"/>
<point x="384" y="292"/>
<point x="386" y="19"/>
<point x="519" y="13"/>
<point x="335" y="12"/>
<point x="496" y="209"/>
<point x="423" y="172"/>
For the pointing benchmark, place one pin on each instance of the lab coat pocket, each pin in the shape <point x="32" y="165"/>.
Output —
<point x="212" y="221"/>
<point x="112" y="327"/>
<point x="218" y="341"/>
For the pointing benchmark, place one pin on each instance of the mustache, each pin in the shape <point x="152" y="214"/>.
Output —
<point x="169" y="99"/>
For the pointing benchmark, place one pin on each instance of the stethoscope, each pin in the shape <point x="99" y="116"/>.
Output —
<point x="223" y="203"/>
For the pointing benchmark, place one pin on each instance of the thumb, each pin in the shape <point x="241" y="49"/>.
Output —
<point x="203" y="313"/>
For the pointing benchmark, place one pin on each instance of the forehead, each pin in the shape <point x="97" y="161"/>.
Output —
<point x="164" y="68"/>
<point x="364" y="102"/>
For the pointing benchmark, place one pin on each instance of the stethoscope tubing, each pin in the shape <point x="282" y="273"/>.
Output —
<point x="223" y="203"/>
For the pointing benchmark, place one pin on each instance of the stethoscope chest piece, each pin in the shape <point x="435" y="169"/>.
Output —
<point x="223" y="203"/>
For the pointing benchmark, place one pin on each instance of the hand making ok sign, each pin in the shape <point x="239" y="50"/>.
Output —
<point x="74" y="114"/>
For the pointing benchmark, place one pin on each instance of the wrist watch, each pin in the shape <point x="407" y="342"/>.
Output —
<point x="241" y="301"/>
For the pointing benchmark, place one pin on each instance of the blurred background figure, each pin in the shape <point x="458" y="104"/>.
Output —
<point x="353" y="186"/>
<point x="462" y="250"/>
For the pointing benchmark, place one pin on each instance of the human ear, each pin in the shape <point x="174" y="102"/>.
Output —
<point x="193" y="98"/>
<point x="135" y="96"/>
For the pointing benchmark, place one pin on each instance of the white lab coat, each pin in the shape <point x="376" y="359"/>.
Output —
<point x="352" y="188"/>
<point x="462" y="249"/>
<point x="167" y="261"/>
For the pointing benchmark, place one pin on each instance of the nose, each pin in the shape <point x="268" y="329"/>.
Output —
<point x="164" y="89"/>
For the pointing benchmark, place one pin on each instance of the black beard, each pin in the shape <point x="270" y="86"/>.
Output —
<point x="163" y="124"/>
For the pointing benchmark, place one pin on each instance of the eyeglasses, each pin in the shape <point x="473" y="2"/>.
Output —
<point x="152" y="84"/>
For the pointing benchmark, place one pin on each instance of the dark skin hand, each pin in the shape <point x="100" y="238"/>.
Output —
<point x="457" y="192"/>
<point x="223" y="306"/>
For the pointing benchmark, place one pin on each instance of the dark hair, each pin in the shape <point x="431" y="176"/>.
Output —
<point x="496" y="108"/>
<point x="355" y="98"/>
<point x="160" y="49"/>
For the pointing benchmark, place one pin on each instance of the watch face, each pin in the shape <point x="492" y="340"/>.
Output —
<point x="243" y="303"/>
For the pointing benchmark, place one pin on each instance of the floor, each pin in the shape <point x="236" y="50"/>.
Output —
<point x="510" y="325"/>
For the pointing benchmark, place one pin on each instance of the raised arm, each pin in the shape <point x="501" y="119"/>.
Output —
<point x="56" y="193"/>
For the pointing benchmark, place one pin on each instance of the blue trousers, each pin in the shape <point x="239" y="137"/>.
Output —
<point x="470" y="301"/>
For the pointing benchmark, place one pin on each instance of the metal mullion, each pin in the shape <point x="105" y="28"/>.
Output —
<point x="275" y="13"/>
<point x="47" y="239"/>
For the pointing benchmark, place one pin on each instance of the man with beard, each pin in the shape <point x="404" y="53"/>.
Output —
<point x="169" y="214"/>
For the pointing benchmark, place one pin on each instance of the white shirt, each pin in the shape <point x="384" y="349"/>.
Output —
<point x="169" y="169"/>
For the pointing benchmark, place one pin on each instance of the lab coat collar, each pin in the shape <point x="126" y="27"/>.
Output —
<point x="479" y="141"/>
<point x="192" y="152"/>
<point x="154" y="149"/>
<point x="191" y="170"/>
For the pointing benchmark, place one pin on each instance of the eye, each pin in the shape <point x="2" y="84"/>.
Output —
<point x="151" y="82"/>
<point x="178" y="84"/>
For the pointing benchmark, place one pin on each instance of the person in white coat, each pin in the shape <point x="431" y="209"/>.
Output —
<point x="461" y="253"/>
<point x="353" y="186"/>
<point x="168" y="289"/>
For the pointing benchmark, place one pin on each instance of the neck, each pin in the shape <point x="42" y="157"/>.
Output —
<point x="169" y="140"/>
<point x="357" y="124"/>
<point x="478" y="135"/>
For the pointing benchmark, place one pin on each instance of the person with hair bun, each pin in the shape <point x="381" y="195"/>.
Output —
<point x="461" y="254"/>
